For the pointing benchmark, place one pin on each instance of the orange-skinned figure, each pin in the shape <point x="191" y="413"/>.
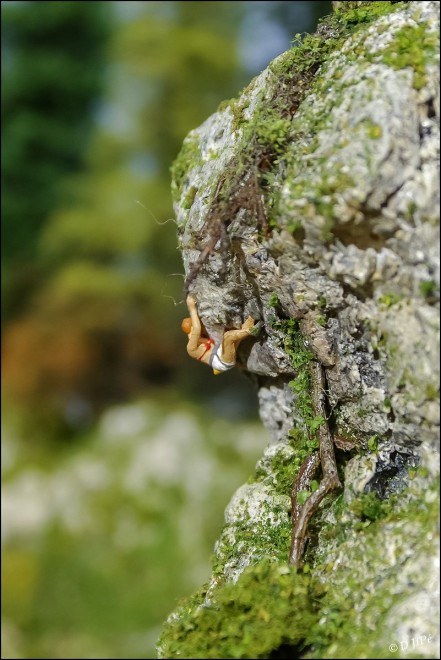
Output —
<point x="220" y="356"/>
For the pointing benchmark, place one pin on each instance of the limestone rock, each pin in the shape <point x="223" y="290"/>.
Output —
<point x="312" y="204"/>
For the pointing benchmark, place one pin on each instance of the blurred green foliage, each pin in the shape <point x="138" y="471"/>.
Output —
<point x="53" y="56"/>
<point x="92" y="273"/>
<point x="190" y="60"/>
<point x="97" y="98"/>
<point x="100" y="265"/>
<point x="101" y="541"/>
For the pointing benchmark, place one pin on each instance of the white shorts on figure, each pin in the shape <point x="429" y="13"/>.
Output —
<point x="216" y="361"/>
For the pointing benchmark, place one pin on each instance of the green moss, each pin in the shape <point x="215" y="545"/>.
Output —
<point x="374" y="131"/>
<point x="354" y="613"/>
<point x="429" y="289"/>
<point x="301" y="358"/>
<point x="248" y="619"/>
<point x="431" y="392"/>
<point x="284" y="466"/>
<point x="413" y="47"/>
<point x="237" y="106"/>
<point x="274" y="477"/>
<point x="272" y="133"/>
<point x="227" y="103"/>
<point x="362" y="13"/>
<point x="269" y="606"/>
<point x="368" y="507"/>
<point x="311" y="50"/>
<point x="256" y="540"/>
<point x="188" y="157"/>
<point x="273" y="300"/>
<point x="189" y="198"/>
<point x="266" y="136"/>
<point x="308" y="60"/>
<point x="389" y="299"/>
<point x="330" y="610"/>
<point x="372" y="443"/>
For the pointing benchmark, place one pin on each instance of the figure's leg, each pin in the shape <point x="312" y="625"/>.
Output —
<point x="232" y="339"/>
<point x="248" y="324"/>
<point x="301" y="515"/>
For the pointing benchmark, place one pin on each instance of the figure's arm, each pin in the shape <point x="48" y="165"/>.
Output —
<point x="196" y="328"/>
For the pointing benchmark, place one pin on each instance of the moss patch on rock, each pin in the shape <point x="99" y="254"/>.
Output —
<point x="413" y="46"/>
<point x="369" y="572"/>
<point x="268" y="607"/>
<point x="189" y="154"/>
<point x="338" y="609"/>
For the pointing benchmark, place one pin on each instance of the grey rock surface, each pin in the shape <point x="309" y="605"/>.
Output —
<point x="339" y="231"/>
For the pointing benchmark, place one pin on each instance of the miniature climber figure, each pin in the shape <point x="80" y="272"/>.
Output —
<point x="220" y="356"/>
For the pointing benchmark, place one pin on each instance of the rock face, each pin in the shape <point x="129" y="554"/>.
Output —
<point x="312" y="204"/>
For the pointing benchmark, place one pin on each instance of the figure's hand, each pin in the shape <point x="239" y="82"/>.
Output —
<point x="191" y="302"/>
<point x="252" y="327"/>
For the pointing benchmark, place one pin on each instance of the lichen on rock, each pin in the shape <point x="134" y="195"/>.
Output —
<point x="312" y="204"/>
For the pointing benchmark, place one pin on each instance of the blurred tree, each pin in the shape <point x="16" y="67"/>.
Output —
<point x="97" y="328"/>
<point x="100" y="327"/>
<point x="184" y="57"/>
<point x="190" y="64"/>
<point x="53" y="55"/>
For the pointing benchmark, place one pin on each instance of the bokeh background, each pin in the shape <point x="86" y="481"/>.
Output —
<point x="118" y="453"/>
